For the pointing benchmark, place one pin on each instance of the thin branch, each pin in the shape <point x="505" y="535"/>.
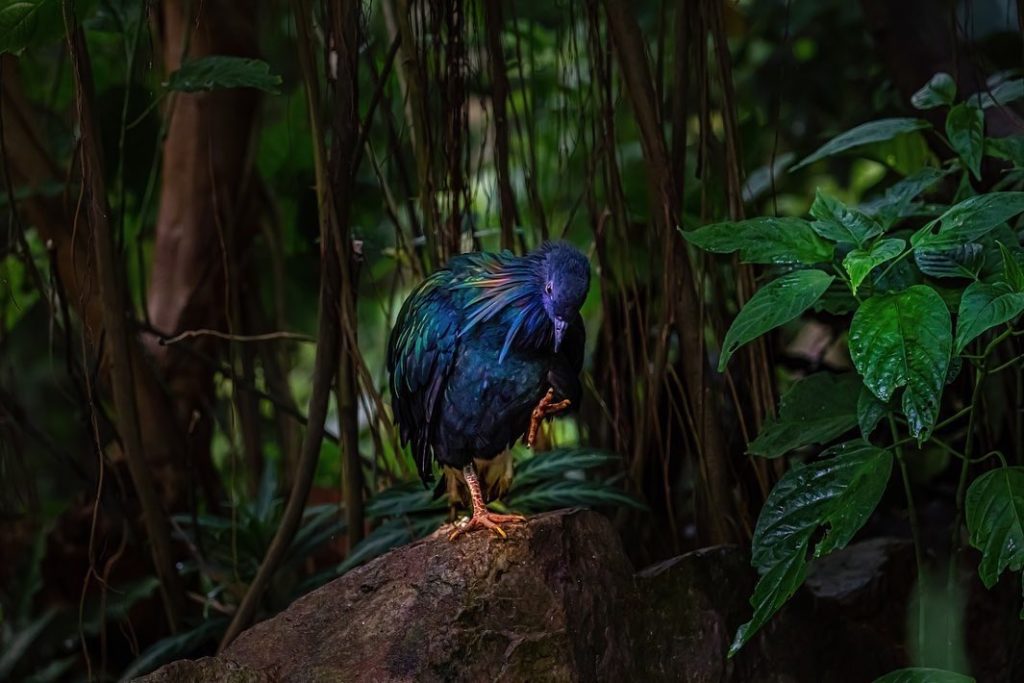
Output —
<point x="267" y="336"/>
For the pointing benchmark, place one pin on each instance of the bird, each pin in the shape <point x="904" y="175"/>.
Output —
<point x="481" y="352"/>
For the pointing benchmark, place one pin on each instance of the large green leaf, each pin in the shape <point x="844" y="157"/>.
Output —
<point x="776" y="303"/>
<point x="923" y="675"/>
<point x="860" y="262"/>
<point x="815" y="410"/>
<point x="869" y="411"/>
<point x="840" y="223"/>
<point x="222" y="71"/>
<point x="837" y="493"/>
<point x="904" y="340"/>
<point x="982" y="307"/>
<point x="939" y="91"/>
<point x="865" y="134"/>
<point x="965" y="128"/>
<point x="764" y="240"/>
<point x="969" y="220"/>
<point x="995" y="520"/>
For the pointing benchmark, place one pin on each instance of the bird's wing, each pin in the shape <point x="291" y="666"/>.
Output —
<point x="421" y="350"/>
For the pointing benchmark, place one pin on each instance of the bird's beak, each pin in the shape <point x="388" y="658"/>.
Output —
<point x="560" y="327"/>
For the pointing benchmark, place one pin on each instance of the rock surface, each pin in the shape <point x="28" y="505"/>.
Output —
<point x="547" y="604"/>
<point x="559" y="601"/>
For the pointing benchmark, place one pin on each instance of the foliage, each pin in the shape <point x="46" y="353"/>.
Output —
<point x="964" y="261"/>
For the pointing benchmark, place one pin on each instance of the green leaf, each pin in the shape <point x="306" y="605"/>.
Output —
<point x="970" y="220"/>
<point x="860" y="262"/>
<point x="904" y="340"/>
<point x="995" y="521"/>
<point x="870" y="411"/>
<point x="896" y="201"/>
<point x="29" y="23"/>
<point x="1003" y="93"/>
<point x="957" y="260"/>
<point x="838" y="493"/>
<point x="924" y="675"/>
<point x="840" y="223"/>
<point x="1013" y="275"/>
<point x="965" y="128"/>
<point x="776" y="303"/>
<point x="1010" y="148"/>
<point x="764" y="240"/>
<point x="865" y="134"/>
<point x="984" y="306"/>
<point x="815" y="410"/>
<point x="939" y="91"/>
<point x="222" y="71"/>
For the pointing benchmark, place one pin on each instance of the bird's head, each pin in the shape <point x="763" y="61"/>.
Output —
<point x="565" y="279"/>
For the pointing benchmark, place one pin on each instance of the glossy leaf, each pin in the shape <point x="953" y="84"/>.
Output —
<point x="956" y="260"/>
<point x="840" y="223"/>
<point x="984" y="306"/>
<point x="995" y="521"/>
<point x="965" y="128"/>
<point x="764" y="240"/>
<point x="216" y="72"/>
<point x="837" y="493"/>
<point x="865" y="134"/>
<point x="1009" y="148"/>
<point x="815" y="410"/>
<point x="904" y="340"/>
<point x="870" y="411"/>
<point x="970" y="219"/>
<point x="923" y="675"/>
<point x="860" y="262"/>
<point x="776" y="303"/>
<point x="939" y="91"/>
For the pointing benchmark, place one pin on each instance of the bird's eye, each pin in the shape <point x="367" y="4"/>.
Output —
<point x="547" y="289"/>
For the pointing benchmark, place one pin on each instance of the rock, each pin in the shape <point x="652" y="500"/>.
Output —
<point x="689" y="608"/>
<point x="547" y="604"/>
<point x="558" y="601"/>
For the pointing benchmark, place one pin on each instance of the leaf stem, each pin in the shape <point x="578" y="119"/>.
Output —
<point x="915" y="530"/>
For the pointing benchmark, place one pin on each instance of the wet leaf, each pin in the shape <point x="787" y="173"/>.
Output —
<point x="840" y="223"/>
<point x="860" y="262"/>
<point x="965" y="128"/>
<point x="222" y="71"/>
<point x="815" y="410"/>
<point x="984" y="306"/>
<point x="838" y="493"/>
<point x="776" y="303"/>
<point x="995" y="521"/>
<point x="905" y="340"/>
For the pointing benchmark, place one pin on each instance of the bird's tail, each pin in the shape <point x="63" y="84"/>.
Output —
<point x="495" y="479"/>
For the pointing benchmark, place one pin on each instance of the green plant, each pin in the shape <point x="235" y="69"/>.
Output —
<point x="902" y="270"/>
<point x="544" y="481"/>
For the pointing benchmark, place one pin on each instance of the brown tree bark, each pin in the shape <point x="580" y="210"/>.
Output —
<point x="684" y="313"/>
<point x="206" y="215"/>
<point x="499" y="95"/>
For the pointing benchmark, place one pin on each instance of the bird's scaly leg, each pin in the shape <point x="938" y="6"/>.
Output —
<point x="543" y="409"/>
<point x="482" y="517"/>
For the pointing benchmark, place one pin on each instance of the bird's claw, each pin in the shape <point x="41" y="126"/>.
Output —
<point x="544" y="408"/>
<point x="487" y="520"/>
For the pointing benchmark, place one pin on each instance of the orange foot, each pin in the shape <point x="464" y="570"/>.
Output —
<point x="543" y="409"/>
<point x="486" y="520"/>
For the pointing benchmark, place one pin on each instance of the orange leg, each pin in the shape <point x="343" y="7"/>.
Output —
<point x="482" y="517"/>
<point x="543" y="409"/>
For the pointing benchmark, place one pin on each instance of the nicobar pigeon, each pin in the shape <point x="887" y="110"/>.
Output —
<point x="482" y="351"/>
